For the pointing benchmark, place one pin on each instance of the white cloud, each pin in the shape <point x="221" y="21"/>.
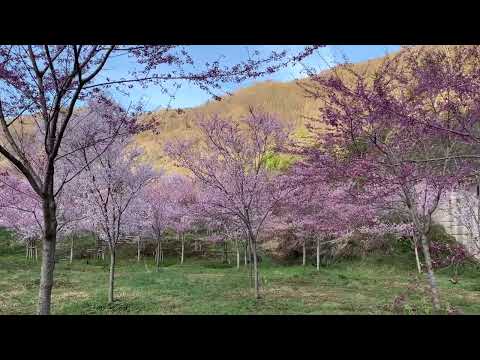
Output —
<point x="321" y="59"/>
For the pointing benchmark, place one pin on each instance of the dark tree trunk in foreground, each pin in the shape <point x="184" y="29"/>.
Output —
<point x="111" y="280"/>
<point x="318" y="254"/>
<point x="48" y="256"/>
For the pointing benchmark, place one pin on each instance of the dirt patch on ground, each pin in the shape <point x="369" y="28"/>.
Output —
<point x="70" y="295"/>
<point x="310" y="296"/>
<point x="12" y="293"/>
<point x="204" y="276"/>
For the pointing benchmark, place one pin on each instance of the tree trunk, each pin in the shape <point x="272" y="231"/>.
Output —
<point x="225" y="252"/>
<point x="255" y="268"/>
<point x="430" y="274"/>
<point x="304" y="250"/>
<point x="158" y="254"/>
<point x="138" y="249"/>
<point x="112" y="275"/>
<point x="183" y="250"/>
<point x="432" y="281"/>
<point x="71" y="250"/>
<point x="238" y="253"/>
<point x="250" y="263"/>
<point x="245" y="253"/>
<point x="417" y="258"/>
<point x="318" y="254"/>
<point x="48" y="256"/>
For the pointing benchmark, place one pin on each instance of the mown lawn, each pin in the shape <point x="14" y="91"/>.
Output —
<point x="377" y="285"/>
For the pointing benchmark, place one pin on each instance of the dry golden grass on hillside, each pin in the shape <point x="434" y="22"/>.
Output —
<point x="288" y="100"/>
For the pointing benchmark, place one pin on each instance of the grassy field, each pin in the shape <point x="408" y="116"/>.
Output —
<point x="376" y="285"/>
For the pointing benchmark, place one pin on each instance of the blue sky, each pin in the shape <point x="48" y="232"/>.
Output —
<point x="189" y="95"/>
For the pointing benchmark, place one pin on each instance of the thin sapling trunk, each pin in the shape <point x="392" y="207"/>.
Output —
<point x="255" y="268"/>
<point x="304" y="252"/>
<point x="138" y="249"/>
<point x="71" y="248"/>
<point x="183" y="249"/>
<point x="430" y="274"/>
<point x="158" y="254"/>
<point x="112" y="275"/>
<point x="237" y="246"/>
<point x="417" y="258"/>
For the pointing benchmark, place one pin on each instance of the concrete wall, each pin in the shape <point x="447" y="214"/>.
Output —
<point x="459" y="213"/>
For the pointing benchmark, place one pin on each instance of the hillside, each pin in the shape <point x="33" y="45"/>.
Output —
<point x="286" y="99"/>
<point x="283" y="99"/>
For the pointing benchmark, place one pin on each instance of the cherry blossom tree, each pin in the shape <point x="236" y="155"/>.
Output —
<point x="230" y="165"/>
<point x="182" y="199"/>
<point x="378" y="139"/>
<point x="159" y="209"/>
<point x="108" y="174"/>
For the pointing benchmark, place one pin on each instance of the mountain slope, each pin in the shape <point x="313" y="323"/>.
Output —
<point x="286" y="99"/>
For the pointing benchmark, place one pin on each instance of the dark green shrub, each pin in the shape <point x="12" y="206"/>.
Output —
<point x="438" y="234"/>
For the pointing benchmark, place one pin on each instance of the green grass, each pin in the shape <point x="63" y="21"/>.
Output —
<point x="368" y="286"/>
